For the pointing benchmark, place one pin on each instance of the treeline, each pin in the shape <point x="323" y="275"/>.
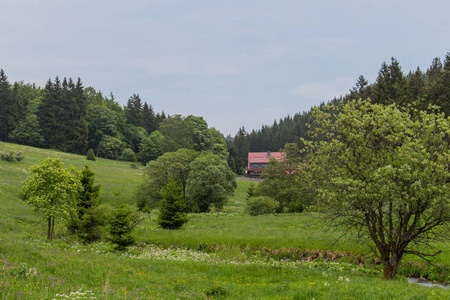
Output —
<point x="66" y="116"/>
<point x="417" y="88"/>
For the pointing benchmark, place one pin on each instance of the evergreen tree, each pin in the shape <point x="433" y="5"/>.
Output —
<point x="121" y="224"/>
<point x="5" y="107"/>
<point x="172" y="208"/>
<point x="88" y="198"/>
<point x="134" y="111"/>
<point x="443" y="92"/>
<point x="148" y="118"/>
<point x="417" y="88"/>
<point x="390" y="85"/>
<point x="362" y="89"/>
<point x="62" y="115"/>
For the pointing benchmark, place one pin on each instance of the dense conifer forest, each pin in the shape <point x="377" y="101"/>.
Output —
<point x="67" y="116"/>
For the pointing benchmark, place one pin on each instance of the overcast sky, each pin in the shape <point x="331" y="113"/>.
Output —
<point x="235" y="63"/>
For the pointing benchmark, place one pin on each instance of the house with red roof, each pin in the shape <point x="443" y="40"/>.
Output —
<point x="257" y="161"/>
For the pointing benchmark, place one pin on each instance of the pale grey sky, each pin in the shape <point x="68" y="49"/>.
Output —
<point x="235" y="63"/>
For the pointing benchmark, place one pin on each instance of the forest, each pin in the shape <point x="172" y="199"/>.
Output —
<point x="67" y="116"/>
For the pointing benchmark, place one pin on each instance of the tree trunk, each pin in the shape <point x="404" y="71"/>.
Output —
<point x="51" y="225"/>
<point x="390" y="267"/>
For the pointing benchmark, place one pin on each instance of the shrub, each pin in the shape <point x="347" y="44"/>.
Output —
<point x="261" y="205"/>
<point x="8" y="156"/>
<point x="128" y="155"/>
<point x="19" y="156"/>
<point x="90" y="155"/>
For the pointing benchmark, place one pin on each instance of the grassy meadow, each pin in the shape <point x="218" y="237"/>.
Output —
<point x="219" y="255"/>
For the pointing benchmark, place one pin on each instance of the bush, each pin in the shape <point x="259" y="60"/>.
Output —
<point x="19" y="156"/>
<point x="128" y="155"/>
<point x="90" y="155"/>
<point x="11" y="156"/>
<point x="8" y="156"/>
<point x="261" y="205"/>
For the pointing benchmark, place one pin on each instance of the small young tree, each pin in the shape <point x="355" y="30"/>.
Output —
<point x="250" y="191"/>
<point x="52" y="190"/>
<point x="91" y="225"/>
<point x="121" y="224"/>
<point x="88" y="198"/>
<point x="172" y="208"/>
<point x="90" y="155"/>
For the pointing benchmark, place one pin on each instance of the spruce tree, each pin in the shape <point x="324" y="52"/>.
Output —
<point x="5" y="107"/>
<point x="172" y="208"/>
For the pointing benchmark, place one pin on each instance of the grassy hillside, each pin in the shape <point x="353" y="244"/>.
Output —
<point x="217" y="255"/>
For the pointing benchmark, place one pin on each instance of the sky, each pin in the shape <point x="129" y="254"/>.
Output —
<point x="235" y="63"/>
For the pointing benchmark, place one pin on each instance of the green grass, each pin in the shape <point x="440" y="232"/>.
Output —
<point x="249" y="251"/>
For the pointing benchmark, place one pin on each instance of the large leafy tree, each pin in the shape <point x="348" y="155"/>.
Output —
<point x="102" y="121"/>
<point x="52" y="190"/>
<point x="150" y="148"/>
<point x="210" y="181"/>
<point x="177" y="134"/>
<point x="384" y="172"/>
<point x="174" y="166"/>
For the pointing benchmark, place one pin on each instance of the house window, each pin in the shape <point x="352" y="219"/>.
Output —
<point x="263" y="157"/>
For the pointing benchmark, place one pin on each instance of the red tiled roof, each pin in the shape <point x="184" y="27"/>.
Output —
<point x="263" y="157"/>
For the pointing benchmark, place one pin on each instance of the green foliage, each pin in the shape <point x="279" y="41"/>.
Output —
<point x="19" y="156"/>
<point x="109" y="146"/>
<point x="250" y="191"/>
<point x="172" y="208"/>
<point x="175" y="165"/>
<point x="384" y="171"/>
<point x="91" y="225"/>
<point x="210" y="182"/>
<point x="62" y="116"/>
<point x="52" y="190"/>
<point x="261" y="205"/>
<point x="88" y="199"/>
<point x="12" y="156"/>
<point x="150" y="148"/>
<point x="7" y="156"/>
<point x="90" y="155"/>
<point x="128" y="155"/>
<point x="284" y="181"/>
<point x="121" y="224"/>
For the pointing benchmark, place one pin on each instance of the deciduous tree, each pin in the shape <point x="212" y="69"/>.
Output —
<point x="52" y="190"/>
<point x="384" y="173"/>
<point x="210" y="181"/>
